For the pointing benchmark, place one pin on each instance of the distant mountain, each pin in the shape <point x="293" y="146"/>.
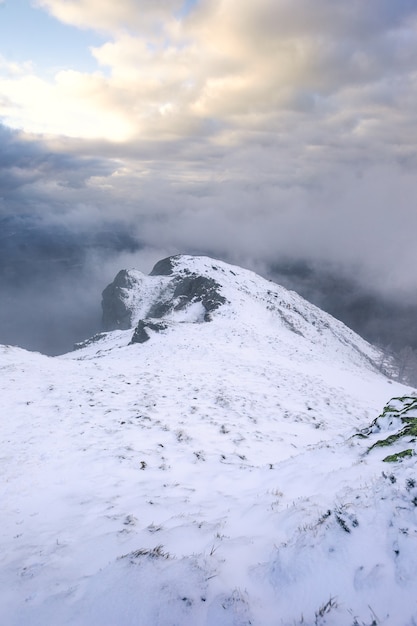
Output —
<point x="225" y="453"/>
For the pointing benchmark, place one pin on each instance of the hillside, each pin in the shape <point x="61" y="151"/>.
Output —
<point x="210" y="459"/>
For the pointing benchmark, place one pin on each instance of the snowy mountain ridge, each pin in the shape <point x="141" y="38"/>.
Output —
<point x="196" y="289"/>
<point x="226" y="470"/>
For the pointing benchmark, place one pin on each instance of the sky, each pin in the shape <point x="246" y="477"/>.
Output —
<point x="254" y="132"/>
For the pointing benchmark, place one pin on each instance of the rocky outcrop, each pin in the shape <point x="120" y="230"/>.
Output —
<point x="186" y="290"/>
<point x="116" y="306"/>
<point x="141" y="333"/>
<point x="171" y="290"/>
<point x="165" y="267"/>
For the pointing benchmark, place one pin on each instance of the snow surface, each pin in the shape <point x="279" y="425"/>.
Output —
<point x="209" y="476"/>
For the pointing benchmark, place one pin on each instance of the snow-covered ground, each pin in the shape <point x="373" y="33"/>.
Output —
<point x="209" y="476"/>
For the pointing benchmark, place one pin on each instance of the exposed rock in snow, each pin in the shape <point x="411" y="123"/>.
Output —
<point x="117" y="309"/>
<point x="142" y="329"/>
<point x="134" y="298"/>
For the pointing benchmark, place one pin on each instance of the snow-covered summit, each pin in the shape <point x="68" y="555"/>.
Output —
<point x="221" y="456"/>
<point x="178" y="288"/>
<point x="196" y="289"/>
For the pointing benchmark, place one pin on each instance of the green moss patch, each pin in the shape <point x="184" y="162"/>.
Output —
<point x="409" y="430"/>
<point x="400" y="416"/>
<point x="392" y="458"/>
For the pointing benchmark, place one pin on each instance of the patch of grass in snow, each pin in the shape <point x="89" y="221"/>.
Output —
<point x="153" y="528"/>
<point x="392" y="458"/>
<point x="320" y="614"/>
<point x="409" y="430"/>
<point x="375" y="621"/>
<point x="342" y="523"/>
<point x="400" y="412"/>
<point x="397" y="408"/>
<point x="346" y="521"/>
<point x="325" y="609"/>
<point x="152" y="553"/>
<point x="181" y="435"/>
<point x="391" y="478"/>
<point x="323" y="517"/>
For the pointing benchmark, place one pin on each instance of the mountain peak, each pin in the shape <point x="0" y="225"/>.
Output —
<point x="195" y="289"/>
<point x="176" y="285"/>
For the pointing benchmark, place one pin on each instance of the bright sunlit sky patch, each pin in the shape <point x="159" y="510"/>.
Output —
<point x="248" y="129"/>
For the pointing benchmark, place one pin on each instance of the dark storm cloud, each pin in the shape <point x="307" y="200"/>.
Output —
<point x="52" y="272"/>
<point x="24" y="161"/>
<point x="51" y="278"/>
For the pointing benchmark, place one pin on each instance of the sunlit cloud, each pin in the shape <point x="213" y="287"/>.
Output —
<point x="264" y="67"/>
<point x="112" y="16"/>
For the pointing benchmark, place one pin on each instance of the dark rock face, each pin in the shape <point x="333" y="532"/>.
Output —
<point x="116" y="315"/>
<point x="181" y="292"/>
<point x="165" y="267"/>
<point x="185" y="290"/>
<point x="141" y="335"/>
<point x="199" y="289"/>
<point x="181" y="289"/>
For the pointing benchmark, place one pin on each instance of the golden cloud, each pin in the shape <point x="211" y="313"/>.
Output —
<point x="163" y="75"/>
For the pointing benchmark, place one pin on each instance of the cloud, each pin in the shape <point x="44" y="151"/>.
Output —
<point x="241" y="205"/>
<point x="168" y="75"/>
<point x="111" y="17"/>
<point x="283" y="129"/>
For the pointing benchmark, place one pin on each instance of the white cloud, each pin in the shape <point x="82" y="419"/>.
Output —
<point x="75" y="104"/>
<point x="110" y="16"/>
<point x="163" y="76"/>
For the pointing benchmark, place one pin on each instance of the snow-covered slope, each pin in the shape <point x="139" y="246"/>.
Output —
<point x="198" y="289"/>
<point x="219" y="470"/>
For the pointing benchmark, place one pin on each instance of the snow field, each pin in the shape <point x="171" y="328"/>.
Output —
<point x="206" y="477"/>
